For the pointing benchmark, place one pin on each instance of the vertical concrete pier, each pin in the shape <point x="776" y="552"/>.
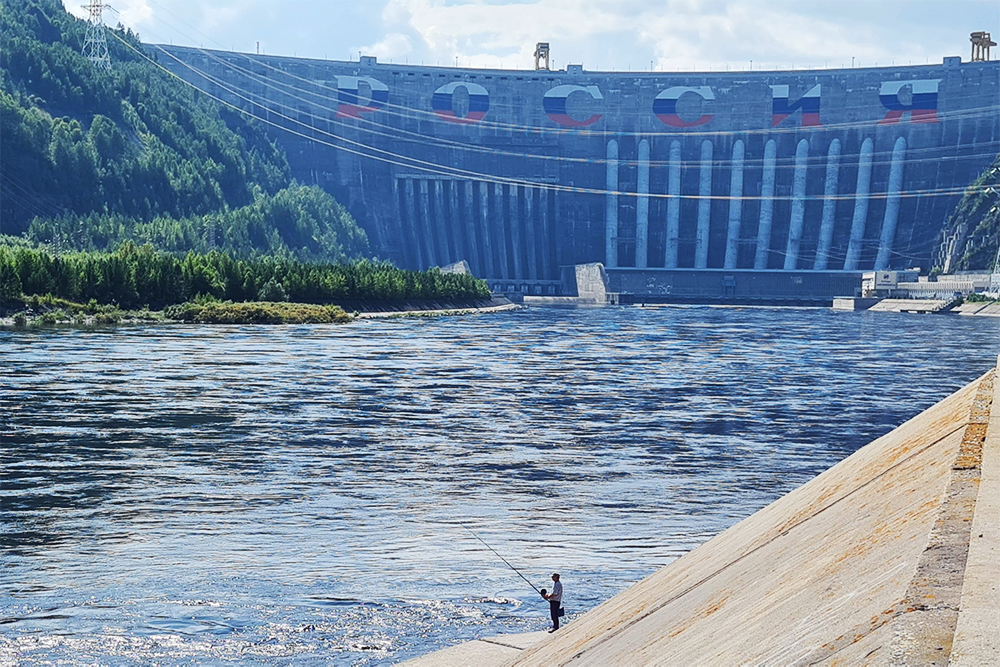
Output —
<point x="673" y="205"/>
<point x="861" y="191"/>
<point x="415" y="254"/>
<point x="829" y="206"/>
<point x="440" y="225"/>
<point x="642" y="207"/>
<point x="471" y="228"/>
<point x="704" y="206"/>
<point x="514" y="218"/>
<point x="798" y="205"/>
<point x="529" y="230"/>
<point x="427" y="223"/>
<point x="461" y="248"/>
<point x="735" y="205"/>
<point x="499" y="231"/>
<point x="766" y="206"/>
<point x="891" y="205"/>
<point x="487" y="229"/>
<point x="548" y="261"/>
<point x="611" y="207"/>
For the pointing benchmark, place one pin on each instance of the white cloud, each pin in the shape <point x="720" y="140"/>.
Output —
<point x="214" y="17"/>
<point x="132" y="13"/>
<point x="394" y="46"/>
<point x="600" y="34"/>
<point x="674" y="34"/>
<point x="487" y="34"/>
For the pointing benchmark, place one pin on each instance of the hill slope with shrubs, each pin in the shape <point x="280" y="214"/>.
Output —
<point x="94" y="158"/>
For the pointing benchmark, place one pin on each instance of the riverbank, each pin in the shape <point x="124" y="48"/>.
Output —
<point x="496" y="305"/>
<point x="51" y="311"/>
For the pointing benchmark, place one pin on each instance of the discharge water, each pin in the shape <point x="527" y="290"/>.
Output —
<point x="213" y="494"/>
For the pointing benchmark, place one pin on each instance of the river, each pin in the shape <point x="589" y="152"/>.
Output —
<point x="305" y="494"/>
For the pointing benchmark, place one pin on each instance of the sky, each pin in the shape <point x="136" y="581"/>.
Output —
<point x="637" y="35"/>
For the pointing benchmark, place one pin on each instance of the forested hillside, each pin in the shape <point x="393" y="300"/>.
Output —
<point x="975" y="224"/>
<point x="89" y="159"/>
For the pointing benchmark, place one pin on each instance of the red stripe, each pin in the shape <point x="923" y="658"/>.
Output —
<point x="673" y="120"/>
<point x="449" y="115"/>
<point x="892" y="117"/>
<point x="565" y="120"/>
<point x="810" y="120"/>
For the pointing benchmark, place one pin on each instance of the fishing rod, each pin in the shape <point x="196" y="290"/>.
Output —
<point x="500" y="557"/>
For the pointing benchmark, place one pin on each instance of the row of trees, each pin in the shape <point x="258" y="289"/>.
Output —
<point x="136" y="276"/>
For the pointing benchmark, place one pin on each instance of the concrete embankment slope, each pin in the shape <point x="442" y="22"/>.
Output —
<point x="890" y="557"/>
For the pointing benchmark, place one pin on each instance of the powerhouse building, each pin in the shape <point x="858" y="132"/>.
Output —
<point x="523" y="173"/>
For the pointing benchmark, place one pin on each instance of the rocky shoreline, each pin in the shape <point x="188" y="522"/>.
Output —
<point x="59" y="313"/>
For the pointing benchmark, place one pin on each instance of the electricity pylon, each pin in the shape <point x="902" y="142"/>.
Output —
<point x="95" y="46"/>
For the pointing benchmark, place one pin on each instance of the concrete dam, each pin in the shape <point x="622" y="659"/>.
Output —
<point x="790" y="181"/>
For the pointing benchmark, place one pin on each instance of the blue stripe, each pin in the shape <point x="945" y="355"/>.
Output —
<point x="479" y="103"/>
<point x="781" y="107"/>
<point x="348" y="97"/>
<point x="892" y="103"/>
<point x="441" y="102"/>
<point x="925" y="100"/>
<point x="554" y="105"/>
<point x="663" y="106"/>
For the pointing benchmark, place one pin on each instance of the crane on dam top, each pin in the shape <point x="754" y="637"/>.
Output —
<point x="542" y="54"/>
<point x="981" y="44"/>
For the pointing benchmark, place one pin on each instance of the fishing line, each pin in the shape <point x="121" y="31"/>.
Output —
<point x="500" y="557"/>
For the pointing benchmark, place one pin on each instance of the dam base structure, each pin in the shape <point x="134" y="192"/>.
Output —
<point x="820" y="174"/>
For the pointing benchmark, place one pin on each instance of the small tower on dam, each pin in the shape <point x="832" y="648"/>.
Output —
<point x="542" y="56"/>
<point x="981" y="44"/>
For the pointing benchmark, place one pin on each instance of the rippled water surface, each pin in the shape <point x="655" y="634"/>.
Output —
<point x="303" y="494"/>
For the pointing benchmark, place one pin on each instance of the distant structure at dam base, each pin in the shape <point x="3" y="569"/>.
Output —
<point x="594" y="283"/>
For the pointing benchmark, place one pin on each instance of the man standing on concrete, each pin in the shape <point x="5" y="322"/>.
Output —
<point x="555" y="601"/>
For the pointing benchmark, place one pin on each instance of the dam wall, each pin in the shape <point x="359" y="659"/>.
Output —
<point x="521" y="172"/>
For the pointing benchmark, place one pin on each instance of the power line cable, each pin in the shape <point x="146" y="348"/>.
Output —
<point x="434" y="117"/>
<point x="453" y="172"/>
<point x="781" y="163"/>
<point x="437" y="168"/>
<point x="388" y="109"/>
